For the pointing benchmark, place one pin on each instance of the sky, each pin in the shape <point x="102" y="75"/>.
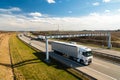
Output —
<point x="39" y="15"/>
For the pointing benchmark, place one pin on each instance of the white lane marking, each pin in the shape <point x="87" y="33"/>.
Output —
<point x="101" y="73"/>
<point x="101" y="65"/>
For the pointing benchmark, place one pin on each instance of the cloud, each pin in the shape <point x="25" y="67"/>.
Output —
<point x="96" y="4"/>
<point x="51" y="1"/>
<point x="94" y="14"/>
<point x="106" y="1"/>
<point x="10" y="10"/>
<point x="15" y="9"/>
<point x="93" y="21"/>
<point x="107" y="11"/>
<point x="35" y="14"/>
<point x="118" y="10"/>
<point x="70" y="12"/>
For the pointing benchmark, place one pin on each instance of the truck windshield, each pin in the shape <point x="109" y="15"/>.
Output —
<point x="87" y="54"/>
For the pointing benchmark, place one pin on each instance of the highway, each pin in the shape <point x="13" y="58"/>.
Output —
<point x="100" y="69"/>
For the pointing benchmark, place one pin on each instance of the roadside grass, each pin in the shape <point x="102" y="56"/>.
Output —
<point x="29" y="64"/>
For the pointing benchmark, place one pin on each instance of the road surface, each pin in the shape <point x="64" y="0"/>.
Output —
<point x="100" y="69"/>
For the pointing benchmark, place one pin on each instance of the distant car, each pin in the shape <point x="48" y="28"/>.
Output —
<point x="20" y="35"/>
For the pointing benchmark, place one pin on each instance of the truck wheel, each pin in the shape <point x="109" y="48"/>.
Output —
<point x="81" y="61"/>
<point x="71" y="58"/>
<point x="54" y="50"/>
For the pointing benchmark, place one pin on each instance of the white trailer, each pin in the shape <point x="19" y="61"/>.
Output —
<point x="79" y="53"/>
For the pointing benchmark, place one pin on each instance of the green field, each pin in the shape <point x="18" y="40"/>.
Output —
<point x="29" y="64"/>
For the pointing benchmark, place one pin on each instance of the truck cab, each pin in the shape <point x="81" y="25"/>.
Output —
<point x="85" y="56"/>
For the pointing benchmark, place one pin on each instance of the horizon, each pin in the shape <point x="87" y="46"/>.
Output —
<point x="56" y="30"/>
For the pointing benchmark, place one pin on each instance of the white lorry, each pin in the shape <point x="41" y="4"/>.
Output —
<point x="79" y="53"/>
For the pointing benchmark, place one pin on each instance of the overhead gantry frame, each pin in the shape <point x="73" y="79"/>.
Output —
<point x="108" y="35"/>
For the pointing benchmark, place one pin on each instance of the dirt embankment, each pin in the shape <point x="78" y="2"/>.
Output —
<point x="5" y="63"/>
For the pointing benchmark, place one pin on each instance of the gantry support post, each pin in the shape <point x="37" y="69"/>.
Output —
<point x="109" y="41"/>
<point x="47" y="53"/>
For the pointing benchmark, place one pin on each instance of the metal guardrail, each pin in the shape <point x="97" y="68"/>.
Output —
<point x="108" y="56"/>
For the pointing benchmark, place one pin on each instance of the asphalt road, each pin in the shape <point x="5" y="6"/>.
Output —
<point x="100" y="69"/>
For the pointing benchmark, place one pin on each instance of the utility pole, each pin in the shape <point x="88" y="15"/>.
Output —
<point x="58" y="28"/>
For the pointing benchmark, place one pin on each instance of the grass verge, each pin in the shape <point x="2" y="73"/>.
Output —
<point x="29" y="64"/>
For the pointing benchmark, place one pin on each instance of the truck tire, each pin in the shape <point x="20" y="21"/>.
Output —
<point x="71" y="58"/>
<point x="81" y="61"/>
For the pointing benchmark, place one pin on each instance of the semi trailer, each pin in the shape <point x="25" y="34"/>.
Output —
<point x="79" y="53"/>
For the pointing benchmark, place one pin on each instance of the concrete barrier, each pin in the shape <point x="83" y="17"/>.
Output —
<point x="107" y="56"/>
